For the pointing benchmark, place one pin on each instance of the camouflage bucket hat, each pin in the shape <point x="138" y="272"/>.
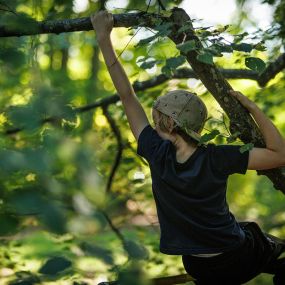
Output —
<point x="186" y="109"/>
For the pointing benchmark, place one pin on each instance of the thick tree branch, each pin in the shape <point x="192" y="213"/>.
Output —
<point x="75" y="25"/>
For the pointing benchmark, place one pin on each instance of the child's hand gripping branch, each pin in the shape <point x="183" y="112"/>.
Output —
<point x="274" y="154"/>
<point x="103" y="23"/>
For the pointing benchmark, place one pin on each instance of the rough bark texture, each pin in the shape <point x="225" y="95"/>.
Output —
<point x="74" y="25"/>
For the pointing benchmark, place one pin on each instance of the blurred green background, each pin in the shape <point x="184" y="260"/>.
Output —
<point x="76" y="205"/>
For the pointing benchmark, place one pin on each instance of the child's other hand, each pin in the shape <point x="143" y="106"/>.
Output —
<point x="102" y="23"/>
<point x="247" y="103"/>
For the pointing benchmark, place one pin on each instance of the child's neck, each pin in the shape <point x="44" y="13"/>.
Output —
<point x="183" y="149"/>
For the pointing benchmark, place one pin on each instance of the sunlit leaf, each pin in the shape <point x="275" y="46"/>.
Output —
<point x="233" y="137"/>
<point x="246" y="147"/>
<point x="187" y="46"/>
<point x="174" y="62"/>
<point x="242" y="47"/>
<point x="205" y="58"/>
<point x="260" y="46"/>
<point x="255" y="64"/>
<point x="209" y="136"/>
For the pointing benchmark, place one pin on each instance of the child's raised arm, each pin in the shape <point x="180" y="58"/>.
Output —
<point x="103" y="23"/>
<point x="274" y="154"/>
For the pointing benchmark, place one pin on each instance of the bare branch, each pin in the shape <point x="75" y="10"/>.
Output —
<point x="120" y="146"/>
<point x="80" y="24"/>
<point x="181" y="73"/>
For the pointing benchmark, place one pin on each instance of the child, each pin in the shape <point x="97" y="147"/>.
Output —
<point x="189" y="181"/>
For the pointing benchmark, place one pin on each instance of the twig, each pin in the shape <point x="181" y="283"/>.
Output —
<point x="120" y="147"/>
<point x="161" y="5"/>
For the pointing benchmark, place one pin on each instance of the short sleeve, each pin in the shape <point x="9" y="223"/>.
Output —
<point x="148" y="142"/>
<point x="229" y="160"/>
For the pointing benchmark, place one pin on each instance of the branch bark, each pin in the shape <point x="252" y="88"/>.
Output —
<point x="74" y="25"/>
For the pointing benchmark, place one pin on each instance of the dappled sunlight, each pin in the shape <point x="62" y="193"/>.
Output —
<point x="78" y="69"/>
<point x="77" y="202"/>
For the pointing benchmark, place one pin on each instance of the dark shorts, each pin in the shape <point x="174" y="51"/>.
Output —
<point x="259" y="253"/>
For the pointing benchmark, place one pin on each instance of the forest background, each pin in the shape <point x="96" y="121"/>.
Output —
<point x="76" y="205"/>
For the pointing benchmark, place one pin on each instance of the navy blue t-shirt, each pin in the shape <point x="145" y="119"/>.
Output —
<point x="190" y="197"/>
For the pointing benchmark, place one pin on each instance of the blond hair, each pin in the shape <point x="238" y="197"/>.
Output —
<point x="164" y="124"/>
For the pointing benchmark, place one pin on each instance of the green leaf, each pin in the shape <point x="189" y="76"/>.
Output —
<point x="246" y="147"/>
<point x="255" y="63"/>
<point x="53" y="218"/>
<point x="213" y="51"/>
<point x="186" y="27"/>
<point x="174" y="62"/>
<point x="26" y="202"/>
<point x="242" y="47"/>
<point x="24" y="117"/>
<point x="148" y="64"/>
<point x="135" y="250"/>
<point x="99" y="252"/>
<point x="164" y="29"/>
<point x="20" y="21"/>
<point x="132" y="274"/>
<point x="233" y="137"/>
<point x="167" y="71"/>
<point x="187" y="46"/>
<point x="209" y="136"/>
<point x="171" y="65"/>
<point x="9" y="224"/>
<point x="205" y="58"/>
<point x="203" y="33"/>
<point x="25" y="278"/>
<point x="55" y="265"/>
<point x="260" y="46"/>
<point x="12" y="57"/>
<point x="68" y="113"/>
<point x="147" y="40"/>
<point x="220" y="47"/>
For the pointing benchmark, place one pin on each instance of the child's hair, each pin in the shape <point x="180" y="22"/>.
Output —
<point x="163" y="122"/>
